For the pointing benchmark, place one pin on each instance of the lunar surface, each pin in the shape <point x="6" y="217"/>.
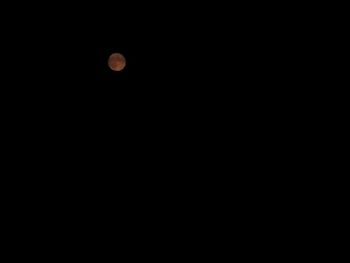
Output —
<point x="116" y="62"/>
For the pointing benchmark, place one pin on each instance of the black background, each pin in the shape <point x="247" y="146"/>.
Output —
<point x="199" y="108"/>
<point x="191" y="79"/>
<point x="194" y="86"/>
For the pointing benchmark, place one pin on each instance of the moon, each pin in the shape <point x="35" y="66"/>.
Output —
<point x="116" y="62"/>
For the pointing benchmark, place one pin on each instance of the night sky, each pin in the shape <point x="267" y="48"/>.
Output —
<point x="190" y="77"/>
<point x="203" y="103"/>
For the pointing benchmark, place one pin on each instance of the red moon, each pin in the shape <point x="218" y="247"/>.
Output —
<point x="116" y="62"/>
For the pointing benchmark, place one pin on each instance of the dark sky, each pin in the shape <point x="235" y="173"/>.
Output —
<point x="195" y="89"/>
<point x="191" y="71"/>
